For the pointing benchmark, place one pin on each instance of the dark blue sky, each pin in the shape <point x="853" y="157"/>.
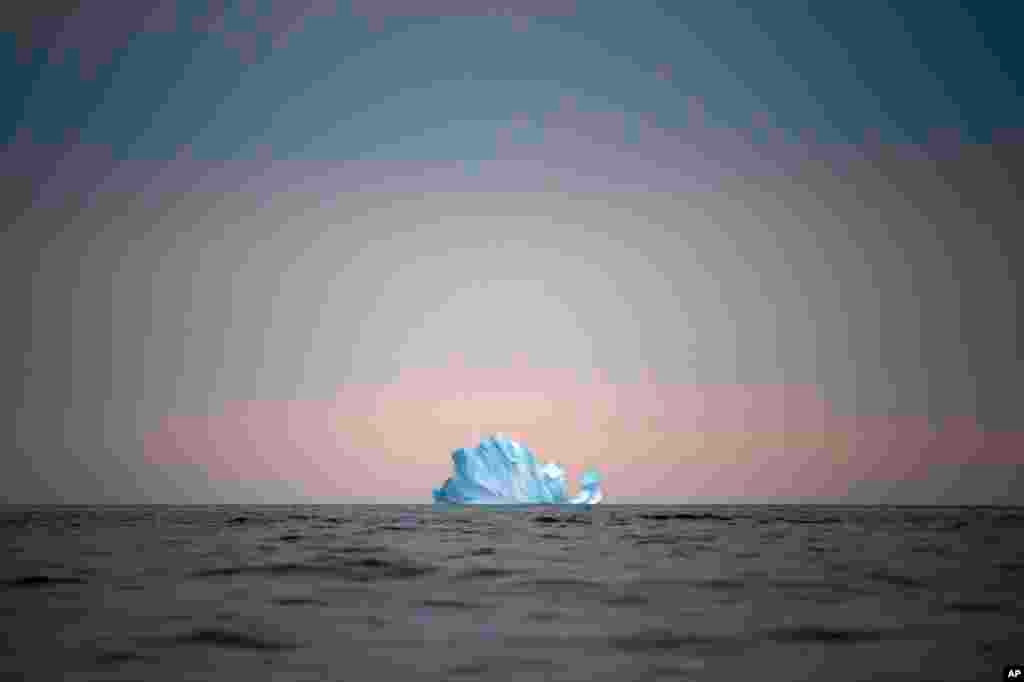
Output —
<point x="343" y="92"/>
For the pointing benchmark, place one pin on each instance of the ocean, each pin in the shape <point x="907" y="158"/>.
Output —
<point x="619" y="593"/>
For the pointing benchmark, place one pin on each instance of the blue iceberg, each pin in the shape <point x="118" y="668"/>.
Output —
<point x="501" y="471"/>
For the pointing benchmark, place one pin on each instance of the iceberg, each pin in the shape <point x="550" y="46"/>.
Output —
<point x="502" y="471"/>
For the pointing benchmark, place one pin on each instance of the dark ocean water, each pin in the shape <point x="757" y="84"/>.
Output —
<point x="623" y="593"/>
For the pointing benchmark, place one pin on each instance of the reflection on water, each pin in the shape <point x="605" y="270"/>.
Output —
<point x="612" y="592"/>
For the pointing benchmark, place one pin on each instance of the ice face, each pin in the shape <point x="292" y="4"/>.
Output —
<point x="590" y="489"/>
<point x="501" y="471"/>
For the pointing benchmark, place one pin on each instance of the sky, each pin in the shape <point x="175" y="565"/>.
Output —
<point x="300" y="251"/>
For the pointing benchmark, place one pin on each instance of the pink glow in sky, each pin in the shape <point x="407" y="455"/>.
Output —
<point x="649" y="439"/>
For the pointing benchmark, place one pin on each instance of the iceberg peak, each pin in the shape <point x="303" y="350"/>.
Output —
<point x="501" y="471"/>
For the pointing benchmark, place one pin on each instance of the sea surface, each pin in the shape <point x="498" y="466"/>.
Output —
<point x="618" y="593"/>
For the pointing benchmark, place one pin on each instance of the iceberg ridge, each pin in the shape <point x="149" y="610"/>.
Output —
<point x="501" y="471"/>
